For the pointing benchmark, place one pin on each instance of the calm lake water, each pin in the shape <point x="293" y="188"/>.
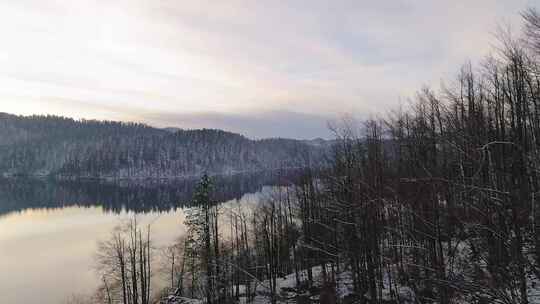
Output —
<point x="49" y="231"/>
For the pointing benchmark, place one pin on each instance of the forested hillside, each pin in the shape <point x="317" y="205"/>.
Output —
<point x="63" y="147"/>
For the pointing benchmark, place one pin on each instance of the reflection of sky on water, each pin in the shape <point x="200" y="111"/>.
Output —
<point x="46" y="254"/>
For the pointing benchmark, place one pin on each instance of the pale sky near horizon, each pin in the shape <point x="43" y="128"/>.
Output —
<point x="260" y="68"/>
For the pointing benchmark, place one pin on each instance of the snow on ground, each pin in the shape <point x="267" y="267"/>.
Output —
<point x="458" y="268"/>
<point x="181" y="300"/>
<point x="288" y="293"/>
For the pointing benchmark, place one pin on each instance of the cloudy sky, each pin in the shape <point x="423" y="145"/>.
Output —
<point x="261" y="68"/>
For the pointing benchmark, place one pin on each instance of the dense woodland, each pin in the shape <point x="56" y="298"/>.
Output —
<point x="63" y="147"/>
<point x="436" y="203"/>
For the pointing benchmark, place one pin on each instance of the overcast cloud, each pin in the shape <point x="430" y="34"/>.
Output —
<point x="261" y="68"/>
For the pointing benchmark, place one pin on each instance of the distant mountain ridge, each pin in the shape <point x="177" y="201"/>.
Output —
<point x="68" y="148"/>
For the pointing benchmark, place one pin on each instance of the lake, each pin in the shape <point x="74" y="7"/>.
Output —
<point x="49" y="230"/>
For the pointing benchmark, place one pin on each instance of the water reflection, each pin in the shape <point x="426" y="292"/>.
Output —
<point x="139" y="196"/>
<point x="49" y="230"/>
<point x="47" y="255"/>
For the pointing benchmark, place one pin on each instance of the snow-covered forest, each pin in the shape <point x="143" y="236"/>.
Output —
<point x="63" y="147"/>
<point x="436" y="203"/>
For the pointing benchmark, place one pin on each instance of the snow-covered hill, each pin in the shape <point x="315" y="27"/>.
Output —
<point x="50" y="145"/>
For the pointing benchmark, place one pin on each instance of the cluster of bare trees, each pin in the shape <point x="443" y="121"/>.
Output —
<point x="441" y="198"/>
<point x="125" y="265"/>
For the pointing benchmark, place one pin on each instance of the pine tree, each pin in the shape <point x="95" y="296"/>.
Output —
<point x="202" y="238"/>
